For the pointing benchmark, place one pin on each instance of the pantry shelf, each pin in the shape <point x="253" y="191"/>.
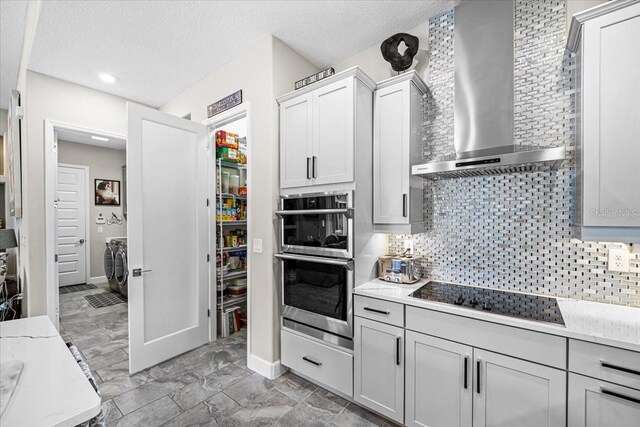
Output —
<point x="233" y="248"/>
<point x="230" y="276"/>
<point x="231" y="196"/>
<point x="233" y="300"/>
<point x="232" y="222"/>
<point x="232" y="165"/>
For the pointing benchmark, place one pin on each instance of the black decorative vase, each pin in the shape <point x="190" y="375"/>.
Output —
<point x="389" y="49"/>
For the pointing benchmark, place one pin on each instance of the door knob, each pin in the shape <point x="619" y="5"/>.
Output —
<point x="81" y="241"/>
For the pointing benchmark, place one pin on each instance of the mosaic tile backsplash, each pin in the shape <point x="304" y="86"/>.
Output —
<point x="514" y="231"/>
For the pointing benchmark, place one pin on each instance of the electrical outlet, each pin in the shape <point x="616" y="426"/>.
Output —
<point x="619" y="260"/>
<point x="257" y="246"/>
<point x="408" y="246"/>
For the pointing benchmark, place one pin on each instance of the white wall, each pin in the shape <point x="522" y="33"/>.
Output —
<point x="267" y="70"/>
<point x="103" y="163"/>
<point x="50" y="98"/>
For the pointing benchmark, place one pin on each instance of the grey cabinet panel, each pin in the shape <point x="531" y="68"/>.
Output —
<point x="597" y="403"/>
<point x="379" y="367"/>
<point x="608" y="129"/>
<point x="438" y="382"/>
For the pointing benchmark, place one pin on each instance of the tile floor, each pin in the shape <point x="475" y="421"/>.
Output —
<point x="210" y="385"/>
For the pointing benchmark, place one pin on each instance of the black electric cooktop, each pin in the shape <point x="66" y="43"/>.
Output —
<point x="505" y="303"/>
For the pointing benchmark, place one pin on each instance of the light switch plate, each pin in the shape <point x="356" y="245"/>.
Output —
<point x="619" y="260"/>
<point x="257" y="246"/>
<point x="99" y="229"/>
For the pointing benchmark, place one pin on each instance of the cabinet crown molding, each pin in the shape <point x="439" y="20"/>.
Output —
<point x="573" y="39"/>
<point x="411" y="76"/>
<point x="349" y="72"/>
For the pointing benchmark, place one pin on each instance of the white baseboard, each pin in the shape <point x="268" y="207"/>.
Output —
<point x="96" y="280"/>
<point x="270" y="370"/>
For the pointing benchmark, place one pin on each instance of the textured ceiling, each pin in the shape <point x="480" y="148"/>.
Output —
<point x="13" y="15"/>
<point x="157" y="49"/>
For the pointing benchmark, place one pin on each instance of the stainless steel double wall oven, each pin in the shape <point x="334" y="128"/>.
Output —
<point x="316" y="252"/>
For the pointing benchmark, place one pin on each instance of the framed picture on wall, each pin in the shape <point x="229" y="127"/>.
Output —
<point x="107" y="192"/>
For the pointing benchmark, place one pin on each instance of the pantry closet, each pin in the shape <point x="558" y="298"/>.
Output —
<point x="231" y="204"/>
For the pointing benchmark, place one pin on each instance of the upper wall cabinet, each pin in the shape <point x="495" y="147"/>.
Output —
<point x="606" y="40"/>
<point x="320" y="127"/>
<point x="397" y="144"/>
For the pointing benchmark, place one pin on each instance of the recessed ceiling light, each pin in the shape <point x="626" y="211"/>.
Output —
<point x="99" y="138"/>
<point x="107" y="78"/>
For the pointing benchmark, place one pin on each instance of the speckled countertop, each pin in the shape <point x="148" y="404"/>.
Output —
<point x="607" y="324"/>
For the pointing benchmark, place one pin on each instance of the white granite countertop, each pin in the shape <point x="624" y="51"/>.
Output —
<point x="607" y="324"/>
<point x="52" y="389"/>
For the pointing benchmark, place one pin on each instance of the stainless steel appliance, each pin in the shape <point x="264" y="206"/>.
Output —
<point x="316" y="295"/>
<point x="484" y="63"/>
<point x="398" y="269"/>
<point x="505" y="303"/>
<point x="317" y="224"/>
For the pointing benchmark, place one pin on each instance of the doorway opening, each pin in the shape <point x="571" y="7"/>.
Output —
<point x="91" y="240"/>
<point x="230" y="172"/>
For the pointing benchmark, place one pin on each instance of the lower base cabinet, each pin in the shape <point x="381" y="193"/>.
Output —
<point x="511" y="392"/>
<point x="450" y="384"/>
<point x="378" y="377"/>
<point x="597" y="403"/>
<point x="438" y="383"/>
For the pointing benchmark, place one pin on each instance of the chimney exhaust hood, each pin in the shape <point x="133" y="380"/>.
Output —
<point x="483" y="67"/>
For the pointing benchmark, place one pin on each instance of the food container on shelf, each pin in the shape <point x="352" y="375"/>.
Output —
<point x="226" y="153"/>
<point x="226" y="139"/>
<point x="225" y="182"/>
<point x="234" y="184"/>
<point x="236" y="291"/>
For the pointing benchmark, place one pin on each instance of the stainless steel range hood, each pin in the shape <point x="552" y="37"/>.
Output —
<point x="484" y="140"/>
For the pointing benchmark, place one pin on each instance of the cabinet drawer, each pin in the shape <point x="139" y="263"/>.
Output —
<point x="606" y="363"/>
<point x="537" y="347"/>
<point x="380" y="310"/>
<point x="321" y="363"/>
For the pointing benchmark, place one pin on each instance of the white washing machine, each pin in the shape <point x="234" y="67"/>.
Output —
<point x="121" y="270"/>
<point x="113" y="245"/>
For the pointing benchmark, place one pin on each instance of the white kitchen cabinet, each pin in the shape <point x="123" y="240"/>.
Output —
<point x="379" y="368"/>
<point x="321" y="129"/>
<point x="397" y="144"/>
<point x="295" y="141"/>
<point x="512" y="392"/>
<point x="606" y="40"/>
<point x="597" y="403"/>
<point x="438" y="382"/>
<point x="333" y="132"/>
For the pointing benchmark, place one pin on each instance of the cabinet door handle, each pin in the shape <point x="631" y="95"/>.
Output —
<point x="313" y="362"/>
<point x="478" y="364"/>
<point x="404" y="205"/>
<point x="619" y="396"/>
<point x="619" y="368"/>
<point x="314" y="167"/>
<point x="398" y="351"/>
<point x="466" y="372"/>
<point x="375" y="310"/>
<point x="308" y="167"/>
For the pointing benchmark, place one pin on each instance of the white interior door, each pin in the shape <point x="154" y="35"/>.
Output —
<point x="71" y="225"/>
<point x="167" y="231"/>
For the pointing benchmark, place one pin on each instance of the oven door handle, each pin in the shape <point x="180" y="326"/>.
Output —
<point x="347" y="263"/>
<point x="348" y="212"/>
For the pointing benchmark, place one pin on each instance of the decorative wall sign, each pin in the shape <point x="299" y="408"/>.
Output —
<point x="224" y="104"/>
<point x="314" y="78"/>
<point x="389" y="47"/>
